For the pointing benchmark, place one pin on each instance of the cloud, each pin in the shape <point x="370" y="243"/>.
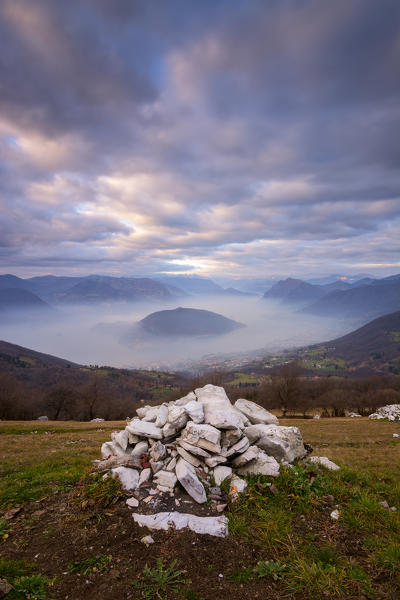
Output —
<point x="233" y="137"/>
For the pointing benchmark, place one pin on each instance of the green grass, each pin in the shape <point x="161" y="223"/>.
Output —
<point x="92" y="564"/>
<point x="26" y="583"/>
<point x="158" y="581"/>
<point x="294" y="529"/>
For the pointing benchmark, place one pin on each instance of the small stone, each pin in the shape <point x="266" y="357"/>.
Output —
<point x="396" y="435"/>
<point x="335" y="514"/>
<point x="167" y="479"/>
<point x="221" y="507"/>
<point x="156" y="465"/>
<point x="221" y="473"/>
<point x="140" y="448"/>
<point x="162" y="416"/>
<point x="384" y="504"/>
<point x="193" y="449"/>
<point x="158" y="452"/>
<point x="177" y="417"/>
<point x="189" y="457"/>
<point x="148" y="499"/>
<point x="238" y="486"/>
<point x="132" y="502"/>
<point x="393" y="509"/>
<point x="325" y="462"/>
<point x="147" y="540"/>
<point x="144" y="476"/>
<point x="171" y="465"/>
<point x="239" y="447"/>
<point x="163" y="489"/>
<point x="213" y="461"/>
<point x="152" y="414"/>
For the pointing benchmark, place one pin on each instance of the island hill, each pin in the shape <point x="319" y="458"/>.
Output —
<point x="187" y="322"/>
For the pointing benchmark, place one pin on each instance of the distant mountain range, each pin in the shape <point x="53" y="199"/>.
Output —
<point x="17" y="299"/>
<point x="187" y="322"/>
<point x="364" y="299"/>
<point x="96" y="288"/>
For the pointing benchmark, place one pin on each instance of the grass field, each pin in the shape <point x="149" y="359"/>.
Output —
<point x="281" y="545"/>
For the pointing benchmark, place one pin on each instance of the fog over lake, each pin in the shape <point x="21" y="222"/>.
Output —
<point x="105" y="334"/>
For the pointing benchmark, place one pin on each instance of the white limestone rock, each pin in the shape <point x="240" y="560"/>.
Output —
<point x="250" y="454"/>
<point x="195" y="411"/>
<point x="129" y="478"/>
<point x="189" y="457"/>
<point x="158" y="451"/>
<point x="169" y="431"/>
<point x="262" y="465"/>
<point x="186" y="399"/>
<point x="221" y="473"/>
<point x="144" y="476"/>
<point x="132" y="502"/>
<point x="144" y="429"/>
<point x="193" y="449"/>
<point x="324" y="461"/>
<point x="202" y="435"/>
<point x="215" y="460"/>
<point x="255" y="413"/>
<point x="142" y="410"/>
<point x="283" y="443"/>
<point x="237" y="486"/>
<point x="152" y="414"/>
<point x="167" y="479"/>
<point x="140" y="448"/>
<point x="218" y="410"/>
<point x="111" y="449"/>
<point x="187" y="477"/>
<point x="133" y="439"/>
<point x="171" y="465"/>
<point x="156" y="465"/>
<point x="177" y="417"/>
<point x="122" y="438"/>
<point x="239" y="447"/>
<point x="229" y="437"/>
<point x="216" y="526"/>
<point x="162" y="416"/>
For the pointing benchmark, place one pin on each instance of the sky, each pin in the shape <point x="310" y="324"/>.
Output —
<point x="220" y="138"/>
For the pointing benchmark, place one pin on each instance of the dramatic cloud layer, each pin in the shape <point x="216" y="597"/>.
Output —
<point x="222" y="137"/>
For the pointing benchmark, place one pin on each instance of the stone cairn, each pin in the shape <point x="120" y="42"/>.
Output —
<point x="391" y="412"/>
<point x="199" y="441"/>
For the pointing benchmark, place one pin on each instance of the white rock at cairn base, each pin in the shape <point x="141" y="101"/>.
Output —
<point x="255" y="413"/>
<point x="283" y="443"/>
<point x="221" y="473"/>
<point x="187" y="477"/>
<point x="262" y="465"/>
<point x="216" y="526"/>
<point x="129" y="477"/>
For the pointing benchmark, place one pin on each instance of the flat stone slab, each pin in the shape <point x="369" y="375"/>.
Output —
<point x="145" y="429"/>
<point x="216" y="526"/>
<point x="255" y="413"/>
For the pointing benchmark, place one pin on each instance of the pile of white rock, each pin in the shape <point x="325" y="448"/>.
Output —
<point x="200" y="441"/>
<point x="391" y="412"/>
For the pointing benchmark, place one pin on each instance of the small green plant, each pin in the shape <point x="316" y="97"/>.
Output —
<point x="191" y="595"/>
<point x="269" y="568"/>
<point x="34" y="587"/>
<point x="155" y="583"/>
<point x="93" y="564"/>
<point x="4" y="529"/>
<point x="241" y="575"/>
